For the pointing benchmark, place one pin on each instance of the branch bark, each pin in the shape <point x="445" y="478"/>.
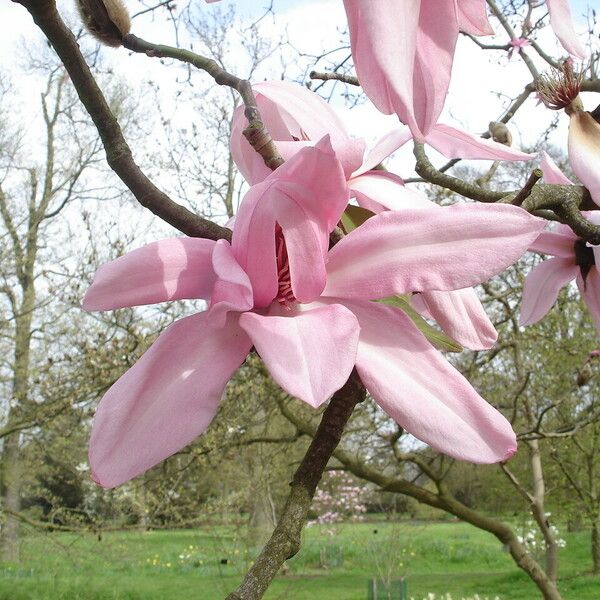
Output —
<point x="285" y="540"/>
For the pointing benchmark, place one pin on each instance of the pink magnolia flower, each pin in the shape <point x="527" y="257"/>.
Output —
<point x="560" y="90"/>
<point x="403" y="53"/>
<point x="297" y="117"/>
<point x="572" y="260"/>
<point x="309" y="313"/>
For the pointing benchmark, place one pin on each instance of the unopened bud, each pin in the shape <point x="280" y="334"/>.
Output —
<point x="560" y="88"/>
<point x="500" y="133"/>
<point x="107" y="20"/>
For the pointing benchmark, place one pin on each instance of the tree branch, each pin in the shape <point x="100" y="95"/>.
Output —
<point x="118" y="152"/>
<point x="285" y="541"/>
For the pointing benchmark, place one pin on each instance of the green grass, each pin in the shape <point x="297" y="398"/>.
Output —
<point x="178" y="565"/>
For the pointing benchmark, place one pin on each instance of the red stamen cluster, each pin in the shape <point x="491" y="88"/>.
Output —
<point x="560" y="87"/>
<point x="285" y="295"/>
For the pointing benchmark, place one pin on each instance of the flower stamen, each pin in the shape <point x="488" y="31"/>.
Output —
<point x="285" y="294"/>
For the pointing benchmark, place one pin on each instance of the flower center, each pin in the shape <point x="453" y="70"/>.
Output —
<point x="285" y="295"/>
<point x="584" y="257"/>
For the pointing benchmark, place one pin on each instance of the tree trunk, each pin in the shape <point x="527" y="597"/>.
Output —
<point x="538" y="509"/>
<point x="9" y="534"/>
<point x="11" y="461"/>
<point x="262" y="516"/>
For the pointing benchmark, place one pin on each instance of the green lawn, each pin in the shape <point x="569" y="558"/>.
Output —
<point x="178" y="565"/>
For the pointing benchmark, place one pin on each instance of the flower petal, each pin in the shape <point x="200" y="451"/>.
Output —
<point x="552" y="174"/>
<point x="166" y="399"/>
<point x="253" y="240"/>
<point x="232" y="290"/>
<point x="436" y="40"/>
<point x="556" y="244"/>
<point x="318" y="171"/>
<point x="422" y="392"/>
<point x="542" y="285"/>
<point x="171" y="269"/>
<point x="306" y="249"/>
<point x="561" y="22"/>
<point x="413" y="250"/>
<point x="295" y="118"/>
<point x="309" y="354"/>
<point x="584" y="150"/>
<point x="386" y="145"/>
<point x="472" y="17"/>
<point x="383" y="36"/>
<point x="455" y="143"/>
<point x="381" y="190"/>
<point x="462" y="317"/>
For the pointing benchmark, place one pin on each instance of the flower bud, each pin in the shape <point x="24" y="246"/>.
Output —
<point x="107" y="20"/>
<point x="500" y="133"/>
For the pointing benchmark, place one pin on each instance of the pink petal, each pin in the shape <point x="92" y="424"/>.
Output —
<point x="305" y="249"/>
<point x="383" y="36"/>
<point x="436" y="41"/>
<point x="253" y="241"/>
<point x="166" y="399"/>
<point x="306" y="196"/>
<point x="319" y="172"/>
<point x="584" y="151"/>
<point x="552" y="174"/>
<point x="472" y="17"/>
<point x="309" y="354"/>
<point x="295" y="117"/>
<point x="385" y="146"/>
<point x="171" y="269"/>
<point x="561" y="21"/>
<point x="232" y="290"/>
<point x="305" y="114"/>
<point x="381" y="190"/>
<point x="422" y="392"/>
<point x="412" y="250"/>
<point x="590" y="292"/>
<point x="556" y="244"/>
<point x="462" y="317"/>
<point x="455" y="143"/>
<point x="542" y="285"/>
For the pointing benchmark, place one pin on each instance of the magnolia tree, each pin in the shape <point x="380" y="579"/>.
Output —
<point x="331" y="261"/>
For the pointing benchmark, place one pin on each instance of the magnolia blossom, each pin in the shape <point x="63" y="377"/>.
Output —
<point x="297" y="117"/>
<point x="560" y="90"/>
<point x="308" y="311"/>
<point x="572" y="260"/>
<point x="403" y="51"/>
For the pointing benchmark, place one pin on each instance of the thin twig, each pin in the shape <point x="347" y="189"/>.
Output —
<point x="255" y="133"/>
<point x="349" y="79"/>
